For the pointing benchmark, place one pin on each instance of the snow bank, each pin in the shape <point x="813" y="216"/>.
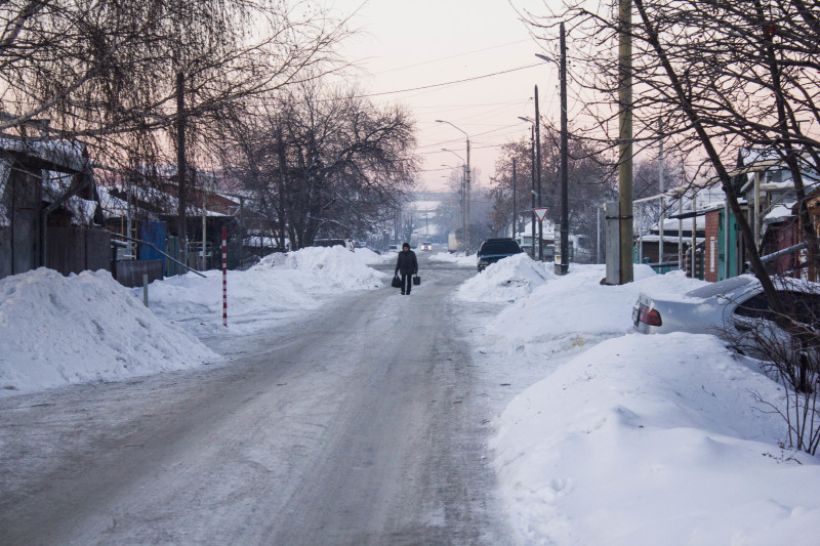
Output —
<point x="577" y="304"/>
<point x="506" y="280"/>
<point x="457" y="258"/>
<point x="647" y="440"/>
<point x="277" y="287"/>
<point x="57" y="330"/>
<point x="368" y="257"/>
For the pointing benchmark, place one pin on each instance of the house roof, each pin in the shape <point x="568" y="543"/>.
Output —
<point x="779" y="213"/>
<point x="49" y="154"/>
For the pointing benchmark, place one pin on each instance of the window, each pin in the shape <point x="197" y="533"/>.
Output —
<point x="805" y="307"/>
<point x="722" y="287"/>
<point x="500" y="247"/>
<point x="755" y="307"/>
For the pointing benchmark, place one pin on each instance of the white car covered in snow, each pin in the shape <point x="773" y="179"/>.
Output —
<point x="728" y="307"/>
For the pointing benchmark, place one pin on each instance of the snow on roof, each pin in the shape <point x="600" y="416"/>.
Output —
<point x="654" y="238"/>
<point x="58" y="153"/>
<point x="778" y="213"/>
<point x="82" y="210"/>
<point x="165" y="202"/>
<point x="112" y="207"/>
<point x="671" y="224"/>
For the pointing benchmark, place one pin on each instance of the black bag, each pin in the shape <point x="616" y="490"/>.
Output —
<point x="416" y="280"/>
<point x="396" y="282"/>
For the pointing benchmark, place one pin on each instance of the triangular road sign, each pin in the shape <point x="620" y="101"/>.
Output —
<point x="541" y="213"/>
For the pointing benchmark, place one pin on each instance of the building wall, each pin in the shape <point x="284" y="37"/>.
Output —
<point x="20" y="223"/>
<point x="710" y="269"/>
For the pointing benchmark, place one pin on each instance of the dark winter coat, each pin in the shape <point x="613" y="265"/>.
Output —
<point x="407" y="263"/>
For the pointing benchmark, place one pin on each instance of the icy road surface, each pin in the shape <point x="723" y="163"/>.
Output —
<point x="366" y="423"/>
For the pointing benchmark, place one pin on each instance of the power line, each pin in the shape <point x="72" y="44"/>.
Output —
<point x="454" y="82"/>
<point x="471" y="136"/>
<point x="455" y="56"/>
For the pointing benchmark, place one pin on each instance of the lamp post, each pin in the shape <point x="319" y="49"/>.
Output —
<point x="463" y="204"/>
<point x="467" y="175"/>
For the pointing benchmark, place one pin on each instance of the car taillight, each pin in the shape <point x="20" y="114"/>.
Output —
<point x="650" y="316"/>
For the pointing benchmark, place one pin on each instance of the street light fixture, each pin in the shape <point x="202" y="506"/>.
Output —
<point x="454" y="153"/>
<point x="467" y="176"/>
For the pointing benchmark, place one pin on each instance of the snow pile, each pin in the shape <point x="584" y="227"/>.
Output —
<point x="456" y="258"/>
<point x="333" y="267"/>
<point x="647" y="440"/>
<point x="578" y="305"/>
<point x="57" y="330"/>
<point x="278" y="287"/>
<point x="368" y="257"/>
<point x="506" y="280"/>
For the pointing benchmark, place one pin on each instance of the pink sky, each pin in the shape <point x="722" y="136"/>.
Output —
<point x="403" y="45"/>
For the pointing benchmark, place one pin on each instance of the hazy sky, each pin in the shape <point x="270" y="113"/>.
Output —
<point x="406" y="44"/>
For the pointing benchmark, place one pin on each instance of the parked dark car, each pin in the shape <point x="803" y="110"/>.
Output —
<point x="493" y="250"/>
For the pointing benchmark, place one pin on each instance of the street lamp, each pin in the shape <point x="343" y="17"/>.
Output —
<point x="454" y="153"/>
<point x="467" y="176"/>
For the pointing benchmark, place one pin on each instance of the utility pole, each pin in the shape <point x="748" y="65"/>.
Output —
<point x="625" y="138"/>
<point x="532" y="191"/>
<point x="597" y="234"/>
<point x="662" y="189"/>
<point x="182" y="230"/>
<point x="563" y="267"/>
<point x="464" y="206"/>
<point x="515" y="201"/>
<point x="204" y="219"/>
<point x="467" y="177"/>
<point x="538" y="174"/>
<point x="467" y="182"/>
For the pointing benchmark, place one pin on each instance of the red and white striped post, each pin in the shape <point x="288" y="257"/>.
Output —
<point x="225" y="276"/>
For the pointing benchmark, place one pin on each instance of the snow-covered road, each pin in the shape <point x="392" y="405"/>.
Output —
<point x="366" y="423"/>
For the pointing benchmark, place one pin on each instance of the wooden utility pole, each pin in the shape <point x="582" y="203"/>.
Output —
<point x="532" y="191"/>
<point x="280" y="208"/>
<point x="625" y="138"/>
<point x="182" y="230"/>
<point x="563" y="267"/>
<point x="514" y="201"/>
<point x="538" y="174"/>
<point x="661" y="190"/>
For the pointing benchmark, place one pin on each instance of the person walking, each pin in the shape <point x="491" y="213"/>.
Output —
<point x="407" y="265"/>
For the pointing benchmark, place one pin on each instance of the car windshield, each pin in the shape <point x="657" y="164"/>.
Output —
<point x="500" y="247"/>
<point x="723" y="287"/>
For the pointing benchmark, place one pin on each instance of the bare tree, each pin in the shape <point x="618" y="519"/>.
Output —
<point x="789" y="344"/>
<point x="325" y="162"/>
<point x="107" y="71"/>
<point x="716" y="75"/>
<point x="589" y="180"/>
